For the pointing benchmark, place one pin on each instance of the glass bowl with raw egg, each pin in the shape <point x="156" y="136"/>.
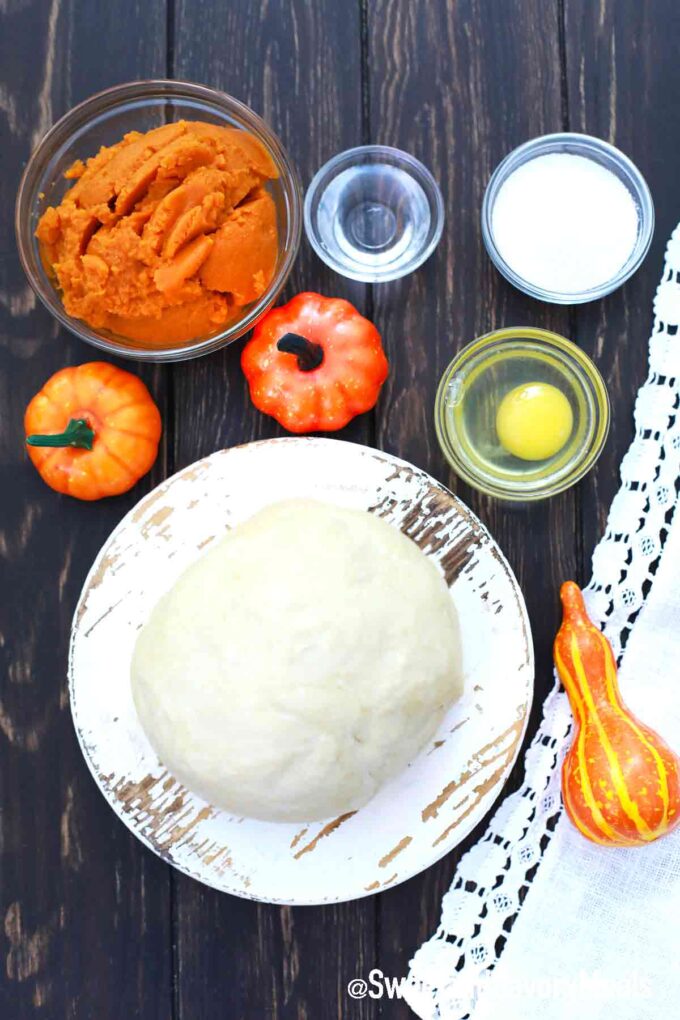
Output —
<point x="159" y="220"/>
<point x="521" y="414"/>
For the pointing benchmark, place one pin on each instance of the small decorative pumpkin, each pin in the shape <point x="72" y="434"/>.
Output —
<point x="620" y="780"/>
<point x="92" y="430"/>
<point x="314" y="364"/>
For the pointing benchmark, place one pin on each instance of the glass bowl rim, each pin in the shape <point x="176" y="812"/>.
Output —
<point x="581" y="144"/>
<point x="399" y="156"/>
<point x="109" y="99"/>
<point x="585" y="368"/>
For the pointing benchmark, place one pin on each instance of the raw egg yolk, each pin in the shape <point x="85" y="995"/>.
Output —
<point x="534" y="421"/>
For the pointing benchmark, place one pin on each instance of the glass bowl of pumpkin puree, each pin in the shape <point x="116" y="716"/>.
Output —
<point x="159" y="220"/>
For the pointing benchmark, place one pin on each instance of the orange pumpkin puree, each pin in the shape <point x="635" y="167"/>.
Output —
<point x="165" y="235"/>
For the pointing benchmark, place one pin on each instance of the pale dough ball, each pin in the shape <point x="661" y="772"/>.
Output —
<point x="300" y="663"/>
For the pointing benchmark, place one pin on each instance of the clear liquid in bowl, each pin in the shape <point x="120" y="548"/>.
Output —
<point x="374" y="213"/>
<point x="374" y="217"/>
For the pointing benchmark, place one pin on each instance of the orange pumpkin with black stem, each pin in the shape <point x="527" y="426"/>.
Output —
<point x="620" y="780"/>
<point x="314" y="364"/>
<point x="92" y="430"/>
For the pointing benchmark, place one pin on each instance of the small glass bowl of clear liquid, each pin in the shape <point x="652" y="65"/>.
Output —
<point x="471" y="391"/>
<point x="374" y="213"/>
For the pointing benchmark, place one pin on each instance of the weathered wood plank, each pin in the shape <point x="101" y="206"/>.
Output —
<point x="297" y="64"/>
<point x="459" y="85"/>
<point x="84" y="909"/>
<point x="622" y="81"/>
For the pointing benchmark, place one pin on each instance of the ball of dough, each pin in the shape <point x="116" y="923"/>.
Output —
<point x="299" y="664"/>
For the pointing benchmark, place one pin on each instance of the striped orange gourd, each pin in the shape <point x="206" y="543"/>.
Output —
<point x="620" y="780"/>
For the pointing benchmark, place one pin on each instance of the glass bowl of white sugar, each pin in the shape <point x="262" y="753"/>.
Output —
<point x="567" y="218"/>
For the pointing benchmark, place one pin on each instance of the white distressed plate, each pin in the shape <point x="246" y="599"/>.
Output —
<point x="415" y="819"/>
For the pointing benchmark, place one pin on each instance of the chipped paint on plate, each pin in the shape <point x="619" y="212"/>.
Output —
<point x="413" y="820"/>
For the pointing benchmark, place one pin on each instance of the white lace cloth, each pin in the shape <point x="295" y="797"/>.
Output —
<point x="538" y="921"/>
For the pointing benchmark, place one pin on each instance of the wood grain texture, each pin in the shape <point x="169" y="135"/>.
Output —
<point x="298" y="65"/>
<point x="92" y="925"/>
<point x="84" y="916"/>
<point x="622" y="84"/>
<point x="460" y="85"/>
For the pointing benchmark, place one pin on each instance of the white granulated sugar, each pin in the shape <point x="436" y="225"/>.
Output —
<point x="564" y="223"/>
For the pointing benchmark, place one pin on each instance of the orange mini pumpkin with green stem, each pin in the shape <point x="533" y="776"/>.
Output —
<point x="92" y="430"/>
<point x="620" y="779"/>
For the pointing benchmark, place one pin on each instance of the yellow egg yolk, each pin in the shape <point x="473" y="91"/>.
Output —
<point x="534" y="421"/>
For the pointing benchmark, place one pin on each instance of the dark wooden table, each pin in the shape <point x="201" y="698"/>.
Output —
<point x="93" y="925"/>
